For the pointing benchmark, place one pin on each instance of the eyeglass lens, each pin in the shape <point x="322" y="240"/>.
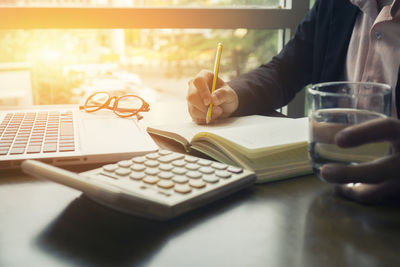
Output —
<point x="128" y="105"/>
<point x="96" y="101"/>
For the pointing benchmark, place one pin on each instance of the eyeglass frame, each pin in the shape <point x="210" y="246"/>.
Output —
<point x="144" y="108"/>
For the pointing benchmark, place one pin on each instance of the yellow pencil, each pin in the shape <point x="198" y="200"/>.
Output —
<point x="214" y="82"/>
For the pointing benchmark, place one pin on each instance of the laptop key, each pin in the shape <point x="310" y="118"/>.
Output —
<point x="17" y="150"/>
<point x="33" y="149"/>
<point x="66" y="148"/>
<point x="19" y="145"/>
<point x="49" y="148"/>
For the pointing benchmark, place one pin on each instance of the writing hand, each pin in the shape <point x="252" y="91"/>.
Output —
<point x="224" y="99"/>
<point x="380" y="179"/>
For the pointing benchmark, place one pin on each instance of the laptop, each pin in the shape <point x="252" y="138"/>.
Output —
<point x="69" y="136"/>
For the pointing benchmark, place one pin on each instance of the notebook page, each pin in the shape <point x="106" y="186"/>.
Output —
<point x="189" y="129"/>
<point x="264" y="134"/>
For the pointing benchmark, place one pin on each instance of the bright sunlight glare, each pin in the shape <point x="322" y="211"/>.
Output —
<point x="50" y="55"/>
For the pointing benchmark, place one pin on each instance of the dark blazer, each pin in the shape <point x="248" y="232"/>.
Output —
<point x="316" y="53"/>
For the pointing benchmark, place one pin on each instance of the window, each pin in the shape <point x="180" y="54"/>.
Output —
<point x="147" y="47"/>
<point x="143" y="3"/>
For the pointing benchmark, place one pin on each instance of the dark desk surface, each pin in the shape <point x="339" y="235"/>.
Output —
<point x="297" y="222"/>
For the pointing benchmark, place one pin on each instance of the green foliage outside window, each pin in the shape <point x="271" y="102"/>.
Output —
<point x="183" y="52"/>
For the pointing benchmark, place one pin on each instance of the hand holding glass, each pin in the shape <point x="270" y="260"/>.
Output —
<point x="335" y="106"/>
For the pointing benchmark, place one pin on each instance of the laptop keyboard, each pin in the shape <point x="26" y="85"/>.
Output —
<point x="37" y="132"/>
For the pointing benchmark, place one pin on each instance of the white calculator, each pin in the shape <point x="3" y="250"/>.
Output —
<point x="159" y="185"/>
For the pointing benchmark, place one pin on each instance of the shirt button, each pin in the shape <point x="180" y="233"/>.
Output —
<point x="378" y="35"/>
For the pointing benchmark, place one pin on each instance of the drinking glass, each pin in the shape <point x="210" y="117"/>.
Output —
<point x="333" y="106"/>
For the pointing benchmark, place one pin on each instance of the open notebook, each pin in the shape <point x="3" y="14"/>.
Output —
<point x="273" y="147"/>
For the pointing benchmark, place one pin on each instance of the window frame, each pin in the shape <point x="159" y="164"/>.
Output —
<point x="285" y="19"/>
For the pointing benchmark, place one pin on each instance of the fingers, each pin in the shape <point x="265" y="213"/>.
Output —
<point x="374" y="181"/>
<point x="222" y="96"/>
<point x="372" y="131"/>
<point x="227" y="99"/>
<point x="200" y="86"/>
<point x="377" y="171"/>
<point x="199" y="97"/>
<point x="199" y="116"/>
<point x="367" y="193"/>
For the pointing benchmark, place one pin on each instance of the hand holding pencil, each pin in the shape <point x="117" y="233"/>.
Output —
<point x="209" y="97"/>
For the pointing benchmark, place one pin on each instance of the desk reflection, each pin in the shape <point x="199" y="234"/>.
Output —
<point x="89" y="234"/>
<point x="339" y="232"/>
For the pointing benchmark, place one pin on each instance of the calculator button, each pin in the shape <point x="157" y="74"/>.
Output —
<point x="219" y="166"/>
<point x="182" y="188"/>
<point x="206" y="170"/>
<point x="137" y="176"/>
<point x="138" y="167"/>
<point x="204" y="162"/>
<point x="125" y="163"/>
<point x="210" y="179"/>
<point x="163" y="152"/>
<point x="151" y="180"/>
<point x="152" y="156"/>
<point x="197" y="183"/>
<point x="151" y="163"/>
<point x="165" y="175"/>
<point x="180" y="179"/>
<point x="152" y="171"/>
<point x="235" y="169"/>
<point x="191" y="159"/>
<point x="166" y="167"/>
<point x="167" y="184"/>
<point x="179" y="163"/>
<point x="223" y="174"/>
<point x="110" y="167"/>
<point x="169" y="158"/>
<point x="179" y="171"/>
<point x="122" y="171"/>
<point x="194" y="174"/>
<point x="192" y="166"/>
<point x="138" y="159"/>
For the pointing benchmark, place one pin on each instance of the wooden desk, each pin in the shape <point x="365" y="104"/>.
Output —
<point x="298" y="222"/>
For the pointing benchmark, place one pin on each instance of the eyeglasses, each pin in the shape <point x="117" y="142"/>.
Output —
<point x="123" y="106"/>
